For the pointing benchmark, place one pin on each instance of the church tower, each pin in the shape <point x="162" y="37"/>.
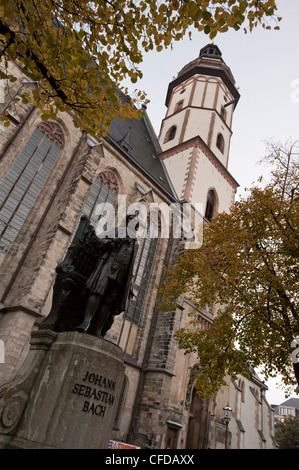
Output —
<point x="195" y="138"/>
<point x="196" y="131"/>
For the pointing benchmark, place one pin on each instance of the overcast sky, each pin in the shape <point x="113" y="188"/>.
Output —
<point x="265" y="66"/>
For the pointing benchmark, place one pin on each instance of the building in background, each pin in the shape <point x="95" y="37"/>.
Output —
<point x="52" y="173"/>
<point x="289" y="408"/>
<point x="252" y="413"/>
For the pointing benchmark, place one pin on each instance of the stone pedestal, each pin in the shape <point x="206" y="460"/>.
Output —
<point x="65" y="395"/>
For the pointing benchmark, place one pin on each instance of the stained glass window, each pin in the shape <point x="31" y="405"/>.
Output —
<point x="25" y="179"/>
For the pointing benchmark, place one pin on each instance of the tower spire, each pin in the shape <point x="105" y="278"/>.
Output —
<point x="197" y="128"/>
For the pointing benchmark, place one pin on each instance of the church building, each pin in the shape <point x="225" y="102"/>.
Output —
<point x="52" y="173"/>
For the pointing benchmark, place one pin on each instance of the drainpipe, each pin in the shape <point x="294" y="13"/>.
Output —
<point x="262" y="420"/>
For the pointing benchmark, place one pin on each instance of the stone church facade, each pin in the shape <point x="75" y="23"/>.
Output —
<point x="52" y="173"/>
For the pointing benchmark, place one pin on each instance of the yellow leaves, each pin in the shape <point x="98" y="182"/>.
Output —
<point x="163" y="8"/>
<point x="109" y="35"/>
<point x="249" y="263"/>
<point x="5" y="119"/>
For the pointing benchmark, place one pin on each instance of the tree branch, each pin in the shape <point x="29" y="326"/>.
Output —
<point x="39" y="65"/>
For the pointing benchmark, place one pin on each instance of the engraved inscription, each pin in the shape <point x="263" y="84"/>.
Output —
<point x="91" y="388"/>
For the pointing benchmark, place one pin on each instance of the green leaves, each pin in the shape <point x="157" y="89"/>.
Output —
<point x="287" y="433"/>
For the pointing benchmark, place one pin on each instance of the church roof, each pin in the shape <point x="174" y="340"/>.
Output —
<point x="137" y="140"/>
<point x="292" y="402"/>
<point x="210" y="50"/>
<point x="209" y="62"/>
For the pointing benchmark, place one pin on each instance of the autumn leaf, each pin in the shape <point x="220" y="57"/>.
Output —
<point x="248" y="266"/>
<point x="75" y="50"/>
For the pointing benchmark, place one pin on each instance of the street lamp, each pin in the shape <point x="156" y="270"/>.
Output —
<point x="227" y="417"/>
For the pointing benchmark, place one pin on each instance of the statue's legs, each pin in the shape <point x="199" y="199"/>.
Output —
<point x="91" y="308"/>
<point x="105" y="315"/>
<point x="108" y="324"/>
<point x="101" y="320"/>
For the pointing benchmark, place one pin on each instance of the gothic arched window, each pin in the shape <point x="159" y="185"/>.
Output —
<point x="179" y="106"/>
<point x="143" y="266"/>
<point x="170" y="135"/>
<point x="220" y="143"/>
<point x="242" y="389"/>
<point x="26" y="177"/>
<point x="104" y="189"/>
<point x="210" y="207"/>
